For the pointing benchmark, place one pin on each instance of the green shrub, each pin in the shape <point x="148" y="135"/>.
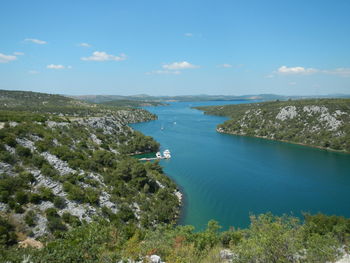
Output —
<point x="55" y="224"/>
<point x="46" y="194"/>
<point x="38" y="161"/>
<point x="21" y="197"/>
<point x="18" y="209"/>
<point x="35" y="198"/>
<point x="7" y="233"/>
<point x="7" y="157"/>
<point x="48" y="170"/>
<point x="4" y="196"/>
<point x="30" y="218"/>
<point x="10" y="140"/>
<point x="23" y="151"/>
<point x="70" y="219"/>
<point x="59" y="202"/>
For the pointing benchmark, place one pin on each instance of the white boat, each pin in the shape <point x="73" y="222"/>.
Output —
<point x="158" y="155"/>
<point x="166" y="154"/>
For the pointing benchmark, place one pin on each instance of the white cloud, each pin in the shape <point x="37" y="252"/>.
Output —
<point x="188" y="35"/>
<point x="6" y="58"/>
<point x="53" y="66"/>
<point x="343" y="72"/>
<point x="225" y="66"/>
<point x="18" y="53"/>
<point x="33" y="72"/>
<point x="270" y="76"/>
<point x="103" y="56"/>
<point x="164" y="72"/>
<point x="284" y="70"/>
<point x="179" y="66"/>
<point x="292" y="83"/>
<point x="84" y="45"/>
<point x="296" y="70"/>
<point x="36" y="41"/>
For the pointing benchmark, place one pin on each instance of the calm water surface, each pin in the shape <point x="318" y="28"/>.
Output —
<point x="226" y="177"/>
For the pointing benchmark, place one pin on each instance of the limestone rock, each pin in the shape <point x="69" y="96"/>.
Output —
<point x="61" y="166"/>
<point x="30" y="242"/>
<point x="289" y="112"/>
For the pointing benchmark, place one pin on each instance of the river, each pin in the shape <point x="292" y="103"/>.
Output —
<point x="227" y="178"/>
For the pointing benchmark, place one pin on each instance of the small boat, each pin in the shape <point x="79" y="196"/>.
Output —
<point x="166" y="154"/>
<point x="158" y="155"/>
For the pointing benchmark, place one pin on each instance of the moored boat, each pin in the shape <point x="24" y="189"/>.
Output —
<point x="166" y="154"/>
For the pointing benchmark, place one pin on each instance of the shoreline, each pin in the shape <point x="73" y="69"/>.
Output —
<point x="220" y="130"/>
<point x="177" y="192"/>
<point x="179" y="196"/>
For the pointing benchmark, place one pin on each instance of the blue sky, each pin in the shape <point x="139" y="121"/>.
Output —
<point x="231" y="47"/>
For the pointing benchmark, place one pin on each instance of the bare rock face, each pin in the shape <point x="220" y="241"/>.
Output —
<point x="41" y="226"/>
<point x="152" y="259"/>
<point x="147" y="259"/>
<point x="289" y="112"/>
<point x="53" y="124"/>
<point x="82" y="211"/>
<point x="61" y="166"/>
<point x="3" y="207"/>
<point x="227" y="255"/>
<point x="10" y="149"/>
<point x="5" y="168"/>
<point x="26" y="143"/>
<point x="105" y="202"/>
<point x="30" y="242"/>
<point x="95" y="139"/>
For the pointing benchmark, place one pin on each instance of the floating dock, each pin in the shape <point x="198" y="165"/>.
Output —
<point x="152" y="159"/>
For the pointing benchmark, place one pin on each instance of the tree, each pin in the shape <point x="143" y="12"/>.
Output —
<point x="7" y="233"/>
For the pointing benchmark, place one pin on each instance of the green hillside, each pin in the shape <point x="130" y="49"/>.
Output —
<point x="20" y="105"/>
<point x="321" y="123"/>
<point x="70" y="191"/>
<point x="64" y="163"/>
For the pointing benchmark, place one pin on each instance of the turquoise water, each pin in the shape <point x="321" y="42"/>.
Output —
<point x="226" y="177"/>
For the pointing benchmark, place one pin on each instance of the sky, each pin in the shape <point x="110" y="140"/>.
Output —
<point x="175" y="47"/>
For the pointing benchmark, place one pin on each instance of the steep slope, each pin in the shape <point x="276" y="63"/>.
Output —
<point x="69" y="167"/>
<point x="321" y="123"/>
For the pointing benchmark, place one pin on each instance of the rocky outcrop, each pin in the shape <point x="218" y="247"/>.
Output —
<point x="289" y="112"/>
<point x="147" y="259"/>
<point x="30" y="242"/>
<point x="61" y="166"/>
<point x="227" y="255"/>
<point x="344" y="259"/>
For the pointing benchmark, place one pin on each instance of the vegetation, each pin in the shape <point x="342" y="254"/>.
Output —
<point x="33" y="106"/>
<point x="321" y="123"/>
<point x="67" y="179"/>
<point x="74" y="165"/>
<point x="268" y="239"/>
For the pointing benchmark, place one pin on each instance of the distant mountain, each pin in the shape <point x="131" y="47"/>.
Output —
<point x="201" y="97"/>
